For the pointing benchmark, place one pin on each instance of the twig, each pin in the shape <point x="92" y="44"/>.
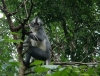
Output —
<point x="4" y="8"/>
<point x="75" y="63"/>
<point x="4" y="5"/>
<point x="30" y="12"/>
<point x="25" y="9"/>
<point x="17" y="10"/>
<point x="86" y="56"/>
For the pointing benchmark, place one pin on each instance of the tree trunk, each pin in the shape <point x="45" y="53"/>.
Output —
<point x="20" y="59"/>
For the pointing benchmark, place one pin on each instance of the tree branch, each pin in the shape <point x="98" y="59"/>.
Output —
<point x="4" y="4"/>
<point x="17" y="10"/>
<point x="4" y="8"/>
<point x="26" y="19"/>
<point x="64" y="27"/>
<point x="75" y="63"/>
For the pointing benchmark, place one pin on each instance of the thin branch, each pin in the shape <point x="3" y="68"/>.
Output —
<point x="75" y="63"/>
<point x="64" y="27"/>
<point x="4" y="4"/>
<point x="87" y="56"/>
<point x="17" y="10"/>
<point x="17" y="28"/>
<point x="25" y="9"/>
<point x="4" y="8"/>
<point x="11" y="25"/>
<point x="8" y="17"/>
<point x="26" y="19"/>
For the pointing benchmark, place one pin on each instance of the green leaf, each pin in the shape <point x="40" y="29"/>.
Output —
<point x="37" y="62"/>
<point x="14" y="33"/>
<point x="64" y="73"/>
<point x="14" y="63"/>
<point x="76" y="70"/>
<point x="57" y="73"/>
<point x="4" y="66"/>
<point x="84" y="74"/>
<point x="83" y="67"/>
<point x="90" y="71"/>
<point x="13" y="40"/>
<point x="39" y="69"/>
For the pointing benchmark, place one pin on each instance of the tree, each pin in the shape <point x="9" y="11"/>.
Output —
<point x="74" y="27"/>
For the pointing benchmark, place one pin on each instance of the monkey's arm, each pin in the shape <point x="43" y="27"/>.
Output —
<point x="35" y="37"/>
<point x="26" y="43"/>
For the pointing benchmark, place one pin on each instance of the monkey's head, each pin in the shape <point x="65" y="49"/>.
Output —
<point x="36" y="23"/>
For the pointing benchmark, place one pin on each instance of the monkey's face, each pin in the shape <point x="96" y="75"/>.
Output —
<point x="36" y="26"/>
<point x="36" y="23"/>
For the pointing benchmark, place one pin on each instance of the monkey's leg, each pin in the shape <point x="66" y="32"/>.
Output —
<point x="37" y="53"/>
<point x="27" y="60"/>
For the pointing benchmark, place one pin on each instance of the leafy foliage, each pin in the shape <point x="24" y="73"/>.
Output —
<point x="73" y="27"/>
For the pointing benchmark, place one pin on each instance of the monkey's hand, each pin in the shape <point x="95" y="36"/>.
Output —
<point x="27" y="33"/>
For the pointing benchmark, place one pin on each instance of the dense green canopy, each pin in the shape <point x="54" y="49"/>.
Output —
<point x="73" y="27"/>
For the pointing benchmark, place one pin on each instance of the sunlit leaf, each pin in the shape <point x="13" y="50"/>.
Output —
<point x="37" y="62"/>
<point x="39" y="69"/>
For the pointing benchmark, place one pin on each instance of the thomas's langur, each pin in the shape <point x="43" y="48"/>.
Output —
<point x="37" y="42"/>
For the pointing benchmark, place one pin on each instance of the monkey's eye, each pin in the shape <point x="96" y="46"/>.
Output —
<point x="36" y="24"/>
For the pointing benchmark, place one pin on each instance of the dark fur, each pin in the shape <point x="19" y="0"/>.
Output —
<point x="38" y="44"/>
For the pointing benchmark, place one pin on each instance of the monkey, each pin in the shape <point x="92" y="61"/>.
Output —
<point x="37" y="42"/>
